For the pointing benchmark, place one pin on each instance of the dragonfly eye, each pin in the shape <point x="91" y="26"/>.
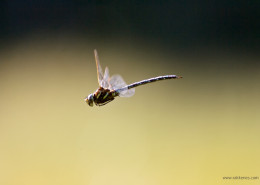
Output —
<point x="89" y="100"/>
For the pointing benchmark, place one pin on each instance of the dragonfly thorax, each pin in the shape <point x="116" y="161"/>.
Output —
<point x="90" y="100"/>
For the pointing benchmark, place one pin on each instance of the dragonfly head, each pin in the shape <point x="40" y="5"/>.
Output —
<point x="90" y="100"/>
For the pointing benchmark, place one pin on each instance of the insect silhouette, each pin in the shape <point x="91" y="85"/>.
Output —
<point x="111" y="87"/>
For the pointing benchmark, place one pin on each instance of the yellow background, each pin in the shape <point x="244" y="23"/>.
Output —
<point x="191" y="131"/>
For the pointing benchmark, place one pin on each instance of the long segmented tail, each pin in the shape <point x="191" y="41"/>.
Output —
<point x="150" y="80"/>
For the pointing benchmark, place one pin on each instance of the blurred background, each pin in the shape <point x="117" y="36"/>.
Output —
<point x="195" y="130"/>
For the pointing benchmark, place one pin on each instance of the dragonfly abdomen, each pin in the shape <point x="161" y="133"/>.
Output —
<point x="150" y="80"/>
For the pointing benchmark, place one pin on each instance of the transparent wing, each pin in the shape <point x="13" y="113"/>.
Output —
<point x="104" y="82"/>
<point x="99" y="69"/>
<point x="116" y="82"/>
<point x="127" y="93"/>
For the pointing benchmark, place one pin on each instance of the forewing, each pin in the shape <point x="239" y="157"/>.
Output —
<point x="105" y="82"/>
<point x="116" y="82"/>
<point x="99" y="69"/>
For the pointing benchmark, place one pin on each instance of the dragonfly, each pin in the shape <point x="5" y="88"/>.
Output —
<point x="111" y="87"/>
